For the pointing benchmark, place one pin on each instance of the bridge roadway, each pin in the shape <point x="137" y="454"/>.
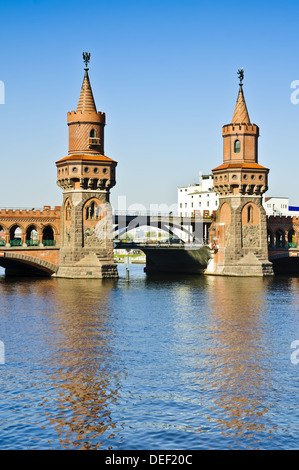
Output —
<point x="190" y="258"/>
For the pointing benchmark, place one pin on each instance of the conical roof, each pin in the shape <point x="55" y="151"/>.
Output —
<point x="241" y="115"/>
<point x="86" y="100"/>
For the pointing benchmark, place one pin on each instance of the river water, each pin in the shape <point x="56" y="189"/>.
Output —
<point x="189" y="362"/>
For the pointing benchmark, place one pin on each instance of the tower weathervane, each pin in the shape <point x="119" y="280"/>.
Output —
<point x="86" y="58"/>
<point x="241" y="75"/>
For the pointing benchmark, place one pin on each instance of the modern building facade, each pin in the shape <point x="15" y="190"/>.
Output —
<point x="198" y="199"/>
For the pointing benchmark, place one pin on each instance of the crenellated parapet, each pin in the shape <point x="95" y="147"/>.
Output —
<point x="23" y="214"/>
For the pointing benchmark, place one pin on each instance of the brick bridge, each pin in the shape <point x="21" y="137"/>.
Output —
<point x="29" y="239"/>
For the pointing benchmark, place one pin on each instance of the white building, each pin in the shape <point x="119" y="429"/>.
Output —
<point x="276" y="206"/>
<point x="198" y="199"/>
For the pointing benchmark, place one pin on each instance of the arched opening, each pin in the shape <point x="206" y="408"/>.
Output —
<point x="291" y="239"/>
<point x="68" y="210"/>
<point x="15" y="236"/>
<point x="48" y="236"/>
<point x="237" y="146"/>
<point x="93" y="211"/>
<point x="92" y="133"/>
<point x="2" y="236"/>
<point x="32" y="236"/>
<point x="279" y="238"/>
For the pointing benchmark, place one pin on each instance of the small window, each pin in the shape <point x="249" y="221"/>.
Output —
<point x="92" y="133"/>
<point x="237" y="146"/>
<point x="249" y="214"/>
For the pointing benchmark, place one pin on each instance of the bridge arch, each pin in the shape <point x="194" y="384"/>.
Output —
<point x="32" y="235"/>
<point x="16" y="234"/>
<point x="285" y="263"/>
<point x="279" y="238"/>
<point x="291" y="236"/>
<point x="49" y="235"/>
<point x="23" y="264"/>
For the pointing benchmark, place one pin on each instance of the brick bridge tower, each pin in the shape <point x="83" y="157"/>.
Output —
<point x="239" y="233"/>
<point x="86" y="176"/>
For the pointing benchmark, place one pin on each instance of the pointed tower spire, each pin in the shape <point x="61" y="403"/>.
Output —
<point x="86" y="101"/>
<point x="241" y="115"/>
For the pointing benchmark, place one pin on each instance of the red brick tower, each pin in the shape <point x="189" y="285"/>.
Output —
<point x="240" y="229"/>
<point x="86" y="176"/>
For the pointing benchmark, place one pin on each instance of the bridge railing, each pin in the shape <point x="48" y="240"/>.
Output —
<point x="145" y="213"/>
<point x="161" y="243"/>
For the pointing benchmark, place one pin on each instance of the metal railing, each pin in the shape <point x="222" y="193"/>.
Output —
<point x="49" y="242"/>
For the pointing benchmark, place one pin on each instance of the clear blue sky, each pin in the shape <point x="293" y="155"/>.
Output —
<point x="164" y="72"/>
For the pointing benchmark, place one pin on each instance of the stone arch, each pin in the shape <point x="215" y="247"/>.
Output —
<point x="26" y="264"/>
<point x="32" y="235"/>
<point x="94" y="222"/>
<point x="291" y="238"/>
<point x="49" y="235"/>
<point x="250" y="214"/>
<point x="68" y="209"/>
<point x="93" y="210"/>
<point x="250" y="219"/>
<point x="225" y="214"/>
<point x="279" y="238"/>
<point x="16" y="233"/>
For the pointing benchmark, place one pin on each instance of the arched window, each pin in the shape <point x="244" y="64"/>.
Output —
<point x="93" y="211"/>
<point x="92" y="133"/>
<point x="249" y="214"/>
<point x="32" y="236"/>
<point x="237" y="146"/>
<point x="15" y="236"/>
<point x="68" y="210"/>
<point x="48" y="236"/>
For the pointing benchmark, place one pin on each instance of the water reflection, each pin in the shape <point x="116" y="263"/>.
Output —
<point x="172" y="362"/>
<point x="84" y="363"/>
<point x="239" y="375"/>
<point x="80" y="363"/>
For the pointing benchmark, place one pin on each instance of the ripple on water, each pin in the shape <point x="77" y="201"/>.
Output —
<point x="157" y="363"/>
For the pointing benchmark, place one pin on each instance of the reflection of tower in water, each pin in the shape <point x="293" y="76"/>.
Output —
<point x="85" y="382"/>
<point x="239" y="371"/>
